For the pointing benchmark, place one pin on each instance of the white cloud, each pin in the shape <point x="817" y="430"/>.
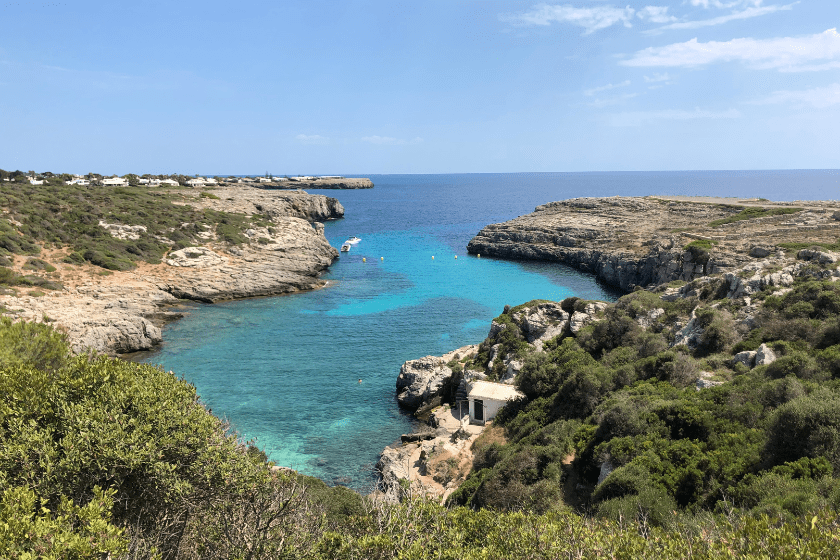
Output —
<point x="388" y="141"/>
<point x="312" y="139"/>
<point x="820" y="97"/>
<point x="820" y="51"/>
<point x="719" y="4"/>
<point x="591" y="19"/>
<point x="637" y="118"/>
<point x="593" y="91"/>
<point x="656" y="14"/>
<point x="744" y="14"/>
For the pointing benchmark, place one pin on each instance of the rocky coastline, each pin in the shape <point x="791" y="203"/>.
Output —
<point x="645" y="241"/>
<point x="123" y="311"/>
<point x="630" y="243"/>
<point x="320" y="183"/>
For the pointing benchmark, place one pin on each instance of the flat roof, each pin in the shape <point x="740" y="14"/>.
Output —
<point x="493" y="391"/>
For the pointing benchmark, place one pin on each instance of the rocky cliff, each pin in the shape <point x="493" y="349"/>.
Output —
<point x="122" y="312"/>
<point x="343" y="183"/>
<point x="644" y="241"/>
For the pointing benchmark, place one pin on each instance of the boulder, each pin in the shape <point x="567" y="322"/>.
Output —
<point x="814" y="254"/>
<point x="764" y="356"/>
<point x="759" y="252"/>
<point x="747" y="358"/>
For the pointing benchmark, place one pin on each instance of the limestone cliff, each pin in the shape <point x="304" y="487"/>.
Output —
<point x="123" y="312"/>
<point x="644" y="241"/>
<point x="317" y="183"/>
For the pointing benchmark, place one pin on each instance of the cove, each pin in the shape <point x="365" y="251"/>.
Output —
<point x="285" y="371"/>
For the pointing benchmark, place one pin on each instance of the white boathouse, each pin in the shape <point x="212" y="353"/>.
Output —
<point x="486" y="398"/>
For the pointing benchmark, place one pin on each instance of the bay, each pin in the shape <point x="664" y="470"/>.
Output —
<point x="310" y="377"/>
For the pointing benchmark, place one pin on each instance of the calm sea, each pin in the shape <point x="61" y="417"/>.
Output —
<point x="285" y="371"/>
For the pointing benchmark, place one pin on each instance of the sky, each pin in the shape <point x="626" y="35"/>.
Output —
<point x="423" y="86"/>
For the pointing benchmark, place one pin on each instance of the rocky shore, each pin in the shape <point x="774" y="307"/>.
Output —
<point x="644" y="241"/>
<point x="321" y="183"/>
<point x="122" y="312"/>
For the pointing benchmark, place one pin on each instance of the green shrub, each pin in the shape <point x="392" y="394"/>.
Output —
<point x="798" y="364"/>
<point x="38" y="264"/>
<point x="651" y="506"/>
<point x="808" y="426"/>
<point x="750" y="213"/>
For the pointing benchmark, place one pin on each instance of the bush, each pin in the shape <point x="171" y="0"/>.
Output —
<point x="39" y="264"/>
<point x="797" y="364"/>
<point x="34" y="344"/>
<point x="651" y="506"/>
<point x="614" y="330"/>
<point x="808" y="426"/>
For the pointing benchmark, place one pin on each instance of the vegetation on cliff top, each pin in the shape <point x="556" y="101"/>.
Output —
<point x="753" y="212"/>
<point x="58" y="215"/>
<point x="618" y="403"/>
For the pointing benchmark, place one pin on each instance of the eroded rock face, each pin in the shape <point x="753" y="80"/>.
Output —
<point x="110" y="319"/>
<point x="122" y="312"/>
<point x="746" y="358"/>
<point x="423" y="379"/>
<point x="629" y="241"/>
<point x="194" y="257"/>
<point x="541" y="323"/>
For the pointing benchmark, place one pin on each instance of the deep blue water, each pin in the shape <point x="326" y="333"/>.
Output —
<point x="285" y="370"/>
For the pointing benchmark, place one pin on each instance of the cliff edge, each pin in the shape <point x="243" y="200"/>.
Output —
<point x="283" y="250"/>
<point x="645" y="241"/>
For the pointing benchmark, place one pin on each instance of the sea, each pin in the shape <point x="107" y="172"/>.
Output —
<point x="310" y="378"/>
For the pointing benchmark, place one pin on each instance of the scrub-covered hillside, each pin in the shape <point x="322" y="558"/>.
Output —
<point x="711" y="396"/>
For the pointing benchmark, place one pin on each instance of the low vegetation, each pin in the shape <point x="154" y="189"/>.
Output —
<point x="753" y="212"/>
<point x="101" y="457"/>
<point x="613" y="424"/>
<point x="56" y="215"/>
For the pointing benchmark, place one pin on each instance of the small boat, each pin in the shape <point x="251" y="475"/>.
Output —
<point x="345" y="247"/>
<point x="353" y="240"/>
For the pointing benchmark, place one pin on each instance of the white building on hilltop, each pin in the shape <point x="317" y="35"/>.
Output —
<point x="486" y="398"/>
<point x="115" y="182"/>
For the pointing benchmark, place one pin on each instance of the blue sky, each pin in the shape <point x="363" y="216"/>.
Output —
<point x="426" y="86"/>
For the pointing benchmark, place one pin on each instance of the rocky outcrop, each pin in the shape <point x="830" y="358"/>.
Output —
<point x="421" y="380"/>
<point x="432" y="462"/>
<point x="317" y="183"/>
<point x="628" y="241"/>
<point x="541" y="322"/>
<point x="764" y="356"/>
<point x="123" y="312"/>
<point x="271" y="204"/>
<point x="111" y="319"/>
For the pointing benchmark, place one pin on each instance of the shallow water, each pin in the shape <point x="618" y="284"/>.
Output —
<point x="286" y="370"/>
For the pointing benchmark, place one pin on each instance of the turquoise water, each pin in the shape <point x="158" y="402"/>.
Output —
<point x="285" y="370"/>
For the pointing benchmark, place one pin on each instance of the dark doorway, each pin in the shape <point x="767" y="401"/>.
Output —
<point x="478" y="407"/>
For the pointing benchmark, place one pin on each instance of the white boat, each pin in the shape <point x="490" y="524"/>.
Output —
<point x="345" y="247"/>
<point x="353" y="240"/>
